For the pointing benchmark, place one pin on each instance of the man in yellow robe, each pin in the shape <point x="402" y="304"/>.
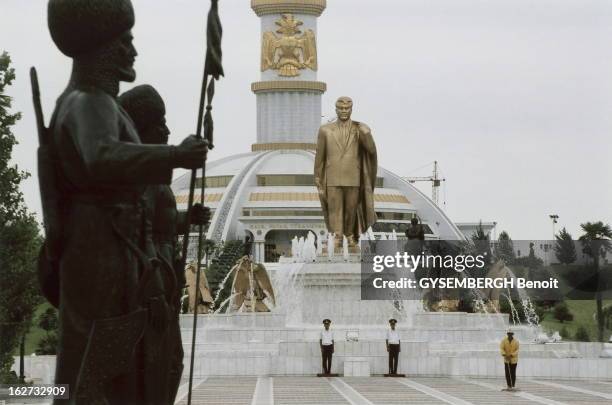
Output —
<point x="509" y="348"/>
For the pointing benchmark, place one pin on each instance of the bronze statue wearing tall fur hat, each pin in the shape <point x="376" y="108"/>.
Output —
<point x="101" y="170"/>
<point x="79" y="26"/>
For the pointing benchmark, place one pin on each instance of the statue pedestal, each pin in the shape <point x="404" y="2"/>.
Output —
<point x="353" y="250"/>
<point x="324" y="258"/>
<point x="286" y="340"/>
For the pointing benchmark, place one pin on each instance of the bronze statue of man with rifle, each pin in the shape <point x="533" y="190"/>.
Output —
<point x="95" y="222"/>
<point x="164" y="352"/>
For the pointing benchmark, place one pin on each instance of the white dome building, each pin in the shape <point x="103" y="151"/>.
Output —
<point x="269" y="193"/>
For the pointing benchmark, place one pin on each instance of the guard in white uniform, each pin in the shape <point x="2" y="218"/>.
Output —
<point x="326" y="342"/>
<point x="393" y="346"/>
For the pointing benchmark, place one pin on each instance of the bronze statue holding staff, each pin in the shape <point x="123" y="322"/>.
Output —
<point x="108" y="286"/>
<point x="163" y="352"/>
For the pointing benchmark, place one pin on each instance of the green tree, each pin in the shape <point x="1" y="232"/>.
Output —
<point x="19" y="237"/>
<point x="562" y="313"/>
<point x="482" y="245"/>
<point x="596" y="242"/>
<point x="48" y="322"/>
<point x="540" y="310"/>
<point x="565" y="249"/>
<point x="607" y="312"/>
<point x="219" y="268"/>
<point x="505" y="248"/>
<point x="479" y="234"/>
<point x="582" y="335"/>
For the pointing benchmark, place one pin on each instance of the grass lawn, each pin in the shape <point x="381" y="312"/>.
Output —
<point x="584" y="315"/>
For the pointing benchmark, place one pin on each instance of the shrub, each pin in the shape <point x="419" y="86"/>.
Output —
<point x="562" y="313"/>
<point x="582" y="335"/>
<point x="540" y="311"/>
<point x="505" y="307"/>
<point x="47" y="345"/>
<point x="48" y="321"/>
<point x="564" y="333"/>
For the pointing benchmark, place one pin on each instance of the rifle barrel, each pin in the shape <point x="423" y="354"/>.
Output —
<point x="38" y="112"/>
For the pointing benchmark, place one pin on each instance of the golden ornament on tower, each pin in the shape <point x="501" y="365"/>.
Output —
<point x="291" y="50"/>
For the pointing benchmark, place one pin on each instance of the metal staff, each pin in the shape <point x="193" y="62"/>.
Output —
<point x="212" y="67"/>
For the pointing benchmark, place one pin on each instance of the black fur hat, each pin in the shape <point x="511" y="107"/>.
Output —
<point x="143" y="104"/>
<point x="78" y="26"/>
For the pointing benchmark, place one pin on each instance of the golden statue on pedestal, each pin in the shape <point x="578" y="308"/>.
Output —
<point x="288" y="52"/>
<point x="345" y="174"/>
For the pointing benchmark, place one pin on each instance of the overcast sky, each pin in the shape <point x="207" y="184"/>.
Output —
<point x="512" y="97"/>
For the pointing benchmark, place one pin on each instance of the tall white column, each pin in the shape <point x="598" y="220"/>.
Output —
<point x="288" y="105"/>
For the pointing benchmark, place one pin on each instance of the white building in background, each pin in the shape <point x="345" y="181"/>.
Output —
<point x="269" y="193"/>
<point x="470" y="228"/>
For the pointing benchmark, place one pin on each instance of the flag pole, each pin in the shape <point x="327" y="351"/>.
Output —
<point x="213" y="68"/>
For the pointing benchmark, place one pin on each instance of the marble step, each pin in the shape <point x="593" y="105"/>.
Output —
<point x="269" y="335"/>
<point x="376" y="348"/>
<point x="359" y="314"/>
<point x="411" y="366"/>
<point x="242" y="320"/>
<point x="459" y="320"/>
<point x="233" y="347"/>
<point x="494" y="346"/>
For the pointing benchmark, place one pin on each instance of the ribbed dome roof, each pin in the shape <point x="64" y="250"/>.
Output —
<point x="278" y="186"/>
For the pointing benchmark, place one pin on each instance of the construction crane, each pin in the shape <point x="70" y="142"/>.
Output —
<point x="434" y="179"/>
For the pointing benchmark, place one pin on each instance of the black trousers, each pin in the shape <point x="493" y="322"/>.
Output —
<point x="326" y="355"/>
<point x="394" y="351"/>
<point x="510" y="370"/>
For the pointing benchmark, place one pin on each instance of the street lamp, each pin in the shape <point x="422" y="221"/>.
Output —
<point x="554" y="218"/>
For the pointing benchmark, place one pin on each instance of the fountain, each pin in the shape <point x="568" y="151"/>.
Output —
<point x="308" y="289"/>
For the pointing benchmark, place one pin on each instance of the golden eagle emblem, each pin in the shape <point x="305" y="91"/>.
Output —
<point x="290" y="51"/>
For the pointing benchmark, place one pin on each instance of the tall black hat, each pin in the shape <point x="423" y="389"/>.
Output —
<point x="79" y="26"/>
<point x="326" y="321"/>
<point x="143" y="104"/>
<point x="392" y="320"/>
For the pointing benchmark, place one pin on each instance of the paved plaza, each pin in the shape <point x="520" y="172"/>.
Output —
<point x="391" y="391"/>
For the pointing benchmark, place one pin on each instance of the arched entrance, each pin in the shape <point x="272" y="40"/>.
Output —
<point x="278" y="242"/>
